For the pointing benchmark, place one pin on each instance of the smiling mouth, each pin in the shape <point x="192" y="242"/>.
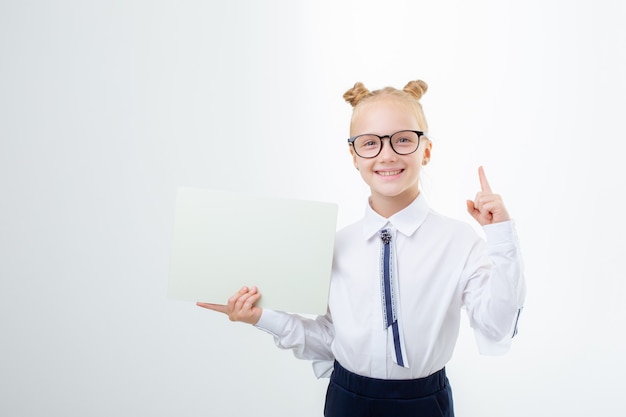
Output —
<point x="389" y="173"/>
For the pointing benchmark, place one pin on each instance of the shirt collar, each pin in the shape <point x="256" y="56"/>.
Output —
<point x="406" y="221"/>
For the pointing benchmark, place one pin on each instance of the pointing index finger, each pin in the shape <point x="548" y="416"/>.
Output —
<point x="484" y="184"/>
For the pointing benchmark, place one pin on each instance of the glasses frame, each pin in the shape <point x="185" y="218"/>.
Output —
<point x="419" y="137"/>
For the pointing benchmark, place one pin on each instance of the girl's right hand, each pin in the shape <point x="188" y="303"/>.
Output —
<point x="240" y="307"/>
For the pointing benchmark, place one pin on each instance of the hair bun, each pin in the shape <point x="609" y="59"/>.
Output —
<point x="356" y="94"/>
<point x="416" y="88"/>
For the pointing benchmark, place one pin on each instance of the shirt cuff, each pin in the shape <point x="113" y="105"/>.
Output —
<point x="273" y="322"/>
<point x="500" y="233"/>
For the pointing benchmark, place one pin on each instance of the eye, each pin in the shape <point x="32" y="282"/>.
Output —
<point x="407" y="138"/>
<point x="367" y="141"/>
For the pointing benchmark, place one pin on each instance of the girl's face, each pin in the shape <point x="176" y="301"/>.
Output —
<point x="393" y="179"/>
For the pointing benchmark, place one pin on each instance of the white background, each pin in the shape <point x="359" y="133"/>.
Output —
<point x="107" y="107"/>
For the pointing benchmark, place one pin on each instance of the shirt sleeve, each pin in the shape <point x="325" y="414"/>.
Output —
<point x="495" y="290"/>
<point x="308" y="338"/>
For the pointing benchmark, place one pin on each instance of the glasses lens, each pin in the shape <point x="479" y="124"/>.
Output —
<point x="367" y="146"/>
<point x="405" y="142"/>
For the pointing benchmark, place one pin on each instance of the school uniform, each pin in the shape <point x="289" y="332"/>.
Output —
<point x="436" y="267"/>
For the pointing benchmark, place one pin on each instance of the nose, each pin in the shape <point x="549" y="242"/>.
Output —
<point x="386" y="152"/>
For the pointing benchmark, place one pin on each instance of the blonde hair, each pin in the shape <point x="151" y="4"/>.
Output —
<point x="359" y="95"/>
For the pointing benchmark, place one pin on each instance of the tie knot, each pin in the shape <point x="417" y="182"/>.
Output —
<point x="385" y="236"/>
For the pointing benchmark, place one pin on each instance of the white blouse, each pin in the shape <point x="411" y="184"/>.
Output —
<point x="441" y="266"/>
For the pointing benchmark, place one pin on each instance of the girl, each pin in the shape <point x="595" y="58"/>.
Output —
<point x="400" y="276"/>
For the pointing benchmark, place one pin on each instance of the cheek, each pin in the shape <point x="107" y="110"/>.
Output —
<point x="354" y="159"/>
<point x="366" y="176"/>
<point x="362" y="165"/>
<point x="363" y="168"/>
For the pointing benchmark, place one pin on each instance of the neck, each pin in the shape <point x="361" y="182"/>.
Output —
<point x="387" y="206"/>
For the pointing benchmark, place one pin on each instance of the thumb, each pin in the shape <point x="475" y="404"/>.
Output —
<point x="471" y="209"/>
<point x="215" y="307"/>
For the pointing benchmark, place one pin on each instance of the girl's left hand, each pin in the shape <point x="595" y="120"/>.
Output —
<point x="487" y="207"/>
<point x="240" y="307"/>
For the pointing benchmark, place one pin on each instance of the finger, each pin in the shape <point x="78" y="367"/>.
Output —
<point x="245" y="309"/>
<point x="215" y="307"/>
<point x="233" y="299"/>
<point x="242" y="301"/>
<point x="247" y="300"/>
<point x="484" y="184"/>
<point x="489" y="202"/>
<point x="253" y="300"/>
<point x="471" y="209"/>
<point x="470" y="206"/>
<point x="481" y="198"/>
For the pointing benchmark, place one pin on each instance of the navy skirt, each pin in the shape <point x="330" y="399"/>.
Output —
<point x="352" y="395"/>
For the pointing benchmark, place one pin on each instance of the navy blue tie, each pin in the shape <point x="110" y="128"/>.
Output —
<point x="390" y="317"/>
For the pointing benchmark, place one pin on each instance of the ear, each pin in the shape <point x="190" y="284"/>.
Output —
<point x="426" y="156"/>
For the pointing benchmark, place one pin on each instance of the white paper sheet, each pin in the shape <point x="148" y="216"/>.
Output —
<point x="223" y="241"/>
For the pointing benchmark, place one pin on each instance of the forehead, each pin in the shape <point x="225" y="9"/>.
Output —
<point x="383" y="116"/>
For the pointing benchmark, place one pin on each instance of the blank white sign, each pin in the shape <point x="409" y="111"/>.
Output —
<point x="223" y="241"/>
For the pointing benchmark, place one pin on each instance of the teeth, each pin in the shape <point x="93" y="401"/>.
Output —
<point x="389" y="173"/>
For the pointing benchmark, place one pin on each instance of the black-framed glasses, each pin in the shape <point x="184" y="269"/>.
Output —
<point x="403" y="142"/>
